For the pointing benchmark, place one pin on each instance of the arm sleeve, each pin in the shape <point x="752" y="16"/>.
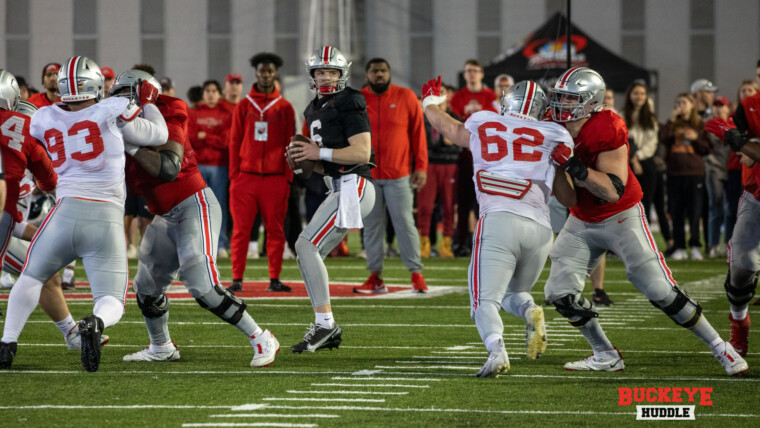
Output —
<point x="417" y="134"/>
<point x="236" y="139"/>
<point x="148" y="131"/>
<point x="42" y="167"/>
<point x="355" y="119"/>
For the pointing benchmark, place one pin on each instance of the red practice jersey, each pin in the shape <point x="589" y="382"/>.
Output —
<point x="602" y="132"/>
<point x="162" y="195"/>
<point x="21" y="151"/>
<point x="751" y="106"/>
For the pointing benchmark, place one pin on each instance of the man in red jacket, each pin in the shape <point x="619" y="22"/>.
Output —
<point x="209" y="132"/>
<point x="50" y="86"/>
<point x="262" y="125"/>
<point x="398" y="138"/>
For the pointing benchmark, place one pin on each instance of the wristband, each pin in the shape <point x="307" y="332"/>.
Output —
<point x="325" y="154"/>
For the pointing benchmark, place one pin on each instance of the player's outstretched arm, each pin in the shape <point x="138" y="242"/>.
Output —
<point x="163" y="162"/>
<point x="609" y="178"/>
<point x="563" y="188"/>
<point x="149" y="130"/>
<point x="451" y="128"/>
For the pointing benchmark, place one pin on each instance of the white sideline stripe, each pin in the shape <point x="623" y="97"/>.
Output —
<point x="349" y="400"/>
<point x="346" y="392"/>
<point x="273" y="415"/>
<point x="370" y="385"/>
<point x="426" y="367"/>
<point x="196" y="372"/>
<point x="448" y="362"/>
<point x="435" y="356"/>
<point x="125" y="407"/>
<point x="502" y="412"/>
<point x="387" y="378"/>
<point x="249" y="424"/>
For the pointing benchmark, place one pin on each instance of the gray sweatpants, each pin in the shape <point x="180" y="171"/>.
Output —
<point x="508" y="254"/>
<point x="744" y="247"/>
<point x="321" y="235"/>
<point x="183" y="240"/>
<point x="397" y="196"/>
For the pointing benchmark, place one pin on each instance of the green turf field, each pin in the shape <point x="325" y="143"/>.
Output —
<point x="403" y="362"/>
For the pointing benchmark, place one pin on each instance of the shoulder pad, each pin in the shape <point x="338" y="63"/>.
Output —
<point x="130" y="112"/>
<point x="350" y="99"/>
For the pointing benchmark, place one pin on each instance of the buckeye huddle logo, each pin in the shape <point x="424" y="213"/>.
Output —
<point x="652" y="399"/>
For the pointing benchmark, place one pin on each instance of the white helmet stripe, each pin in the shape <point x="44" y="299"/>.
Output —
<point x="73" y="63"/>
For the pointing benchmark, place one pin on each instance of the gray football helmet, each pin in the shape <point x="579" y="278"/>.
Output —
<point x="10" y="94"/>
<point x="526" y="100"/>
<point x="26" y="108"/>
<point x="80" y="79"/>
<point x="131" y="79"/>
<point x="576" y="94"/>
<point x="331" y="58"/>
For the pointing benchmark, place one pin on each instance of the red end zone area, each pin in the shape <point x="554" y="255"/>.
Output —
<point x="257" y="290"/>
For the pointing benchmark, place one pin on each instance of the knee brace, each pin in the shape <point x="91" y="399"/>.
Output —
<point x="683" y="310"/>
<point x="740" y="296"/>
<point x="577" y="313"/>
<point x="223" y="304"/>
<point x="153" y="307"/>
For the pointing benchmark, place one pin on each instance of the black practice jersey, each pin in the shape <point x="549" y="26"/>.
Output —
<point x="332" y="120"/>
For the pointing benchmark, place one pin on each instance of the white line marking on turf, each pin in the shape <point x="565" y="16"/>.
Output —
<point x="370" y="385"/>
<point x="249" y="424"/>
<point x="273" y="415"/>
<point x="246" y="407"/>
<point x="385" y="378"/>
<point x="446" y="362"/>
<point x="346" y="392"/>
<point x="124" y="407"/>
<point x="349" y="400"/>
<point x="427" y="367"/>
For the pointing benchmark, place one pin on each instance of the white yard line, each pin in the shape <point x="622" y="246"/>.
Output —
<point x="348" y="400"/>
<point x="249" y="424"/>
<point x="273" y="415"/>
<point x="292" y="391"/>
<point x="447" y="362"/>
<point x="370" y="385"/>
<point x="387" y="378"/>
<point x="427" y="367"/>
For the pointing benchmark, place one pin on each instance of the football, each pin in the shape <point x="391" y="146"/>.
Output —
<point x="304" y="168"/>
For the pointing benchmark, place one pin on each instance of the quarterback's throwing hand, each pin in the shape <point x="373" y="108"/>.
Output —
<point x="431" y="93"/>
<point x="301" y="150"/>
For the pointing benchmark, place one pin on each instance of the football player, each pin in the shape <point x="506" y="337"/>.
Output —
<point x="340" y="144"/>
<point x="744" y="247"/>
<point x="183" y="237"/>
<point x="85" y="139"/>
<point x="604" y="198"/>
<point x="513" y="181"/>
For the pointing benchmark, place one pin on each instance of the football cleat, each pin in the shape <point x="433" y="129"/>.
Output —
<point x="610" y="361"/>
<point x="418" y="283"/>
<point x="739" y="338"/>
<point x="730" y="359"/>
<point x="535" y="333"/>
<point x="497" y="363"/>
<point x="74" y="339"/>
<point x="90" y="332"/>
<point x="237" y="285"/>
<point x="265" y="347"/>
<point x="154" y="354"/>
<point x="7" y="353"/>
<point x="276" y="286"/>
<point x="319" y="337"/>
<point x="373" y="285"/>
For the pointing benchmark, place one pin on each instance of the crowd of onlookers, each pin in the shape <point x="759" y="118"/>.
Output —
<point x="691" y="179"/>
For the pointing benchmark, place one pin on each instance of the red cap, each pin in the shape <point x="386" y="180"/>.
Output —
<point x="53" y="66"/>
<point x="107" y="72"/>
<point x="720" y="101"/>
<point x="234" y="77"/>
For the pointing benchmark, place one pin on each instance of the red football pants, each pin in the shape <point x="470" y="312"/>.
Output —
<point x="250" y="194"/>
<point x="441" y="182"/>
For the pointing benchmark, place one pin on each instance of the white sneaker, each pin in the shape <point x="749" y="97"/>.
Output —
<point x="287" y="254"/>
<point x="154" y="353"/>
<point x="679" y="254"/>
<point x="222" y="253"/>
<point x="253" y="250"/>
<point x="265" y="347"/>
<point x="497" y="362"/>
<point x="610" y="361"/>
<point x="74" y="340"/>
<point x="535" y="333"/>
<point x="730" y="359"/>
<point x="131" y="251"/>
<point x="696" y="254"/>
<point x="7" y="280"/>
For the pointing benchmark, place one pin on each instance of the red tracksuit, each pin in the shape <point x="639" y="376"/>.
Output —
<point x="259" y="174"/>
<point x="215" y="122"/>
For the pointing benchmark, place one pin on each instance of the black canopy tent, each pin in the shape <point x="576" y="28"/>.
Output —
<point x="543" y="58"/>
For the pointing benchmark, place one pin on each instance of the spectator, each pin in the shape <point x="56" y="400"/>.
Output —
<point x="704" y="94"/>
<point x="167" y="86"/>
<point x="262" y="126"/>
<point x="233" y="90"/>
<point x="208" y="129"/>
<point x="685" y="145"/>
<point x="501" y="85"/>
<point x="23" y="88"/>
<point x="716" y="180"/>
<point x="472" y="98"/>
<point x="50" y="86"/>
<point x="441" y="184"/>
<point x="398" y="139"/>
<point x="609" y="101"/>
<point x="643" y="129"/>
<point x="108" y="78"/>
<point x="195" y="97"/>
